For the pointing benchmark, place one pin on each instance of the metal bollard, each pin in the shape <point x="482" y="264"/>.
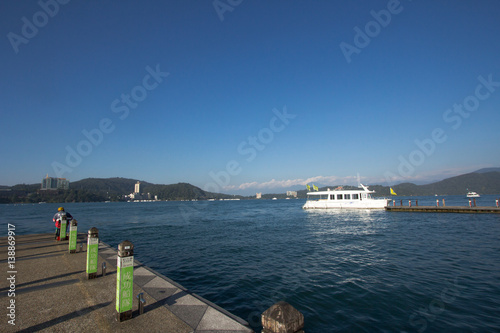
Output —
<point x="92" y="252"/>
<point x="64" y="224"/>
<point x="141" y="301"/>
<point x="81" y="247"/>
<point x="73" y="236"/>
<point x="124" y="280"/>
<point x="103" y="269"/>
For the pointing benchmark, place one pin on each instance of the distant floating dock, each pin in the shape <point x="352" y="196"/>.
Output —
<point x="445" y="209"/>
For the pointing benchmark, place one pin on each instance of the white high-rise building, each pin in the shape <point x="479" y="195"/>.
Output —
<point x="49" y="183"/>
<point x="137" y="188"/>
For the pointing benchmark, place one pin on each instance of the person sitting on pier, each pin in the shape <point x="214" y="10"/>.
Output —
<point x="57" y="220"/>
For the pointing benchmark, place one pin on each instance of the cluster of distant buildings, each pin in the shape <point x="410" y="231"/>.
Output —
<point x="288" y="194"/>
<point x="50" y="183"/>
<point x="138" y="196"/>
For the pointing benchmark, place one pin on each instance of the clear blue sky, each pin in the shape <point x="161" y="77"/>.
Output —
<point x="252" y="96"/>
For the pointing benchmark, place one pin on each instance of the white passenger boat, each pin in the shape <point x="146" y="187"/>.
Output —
<point x="344" y="199"/>
<point x="471" y="194"/>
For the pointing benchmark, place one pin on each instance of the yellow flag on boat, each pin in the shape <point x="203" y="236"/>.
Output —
<point x="392" y="192"/>
<point x="308" y="187"/>
<point x="315" y="188"/>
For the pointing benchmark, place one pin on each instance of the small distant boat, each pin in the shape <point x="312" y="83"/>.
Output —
<point x="472" y="194"/>
<point x="275" y="198"/>
<point x="344" y="199"/>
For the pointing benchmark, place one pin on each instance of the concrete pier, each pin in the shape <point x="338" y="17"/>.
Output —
<point x="51" y="293"/>
<point x="441" y="209"/>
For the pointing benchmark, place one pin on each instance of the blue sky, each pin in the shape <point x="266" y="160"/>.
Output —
<point x="249" y="96"/>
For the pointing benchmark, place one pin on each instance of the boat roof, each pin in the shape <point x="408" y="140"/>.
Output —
<point x="339" y="189"/>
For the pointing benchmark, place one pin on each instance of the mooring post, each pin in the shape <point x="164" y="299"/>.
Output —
<point x="416" y="202"/>
<point x="474" y="201"/>
<point x="282" y="318"/>
<point x="141" y="301"/>
<point x="64" y="225"/>
<point x="92" y="252"/>
<point x="401" y="202"/>
<point x="444" y="204"/>
<point x="72" y="236"/>
<point x="124" y="280"/>
<point x="103" y="269"/>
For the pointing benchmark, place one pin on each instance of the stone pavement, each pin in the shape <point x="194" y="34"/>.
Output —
<point x="52" y="294"/>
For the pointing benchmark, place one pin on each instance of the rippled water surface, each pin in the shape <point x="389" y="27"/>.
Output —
<point x="363" y="271"/>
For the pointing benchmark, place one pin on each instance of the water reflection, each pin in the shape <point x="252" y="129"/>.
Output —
<point x="345" y="221"/>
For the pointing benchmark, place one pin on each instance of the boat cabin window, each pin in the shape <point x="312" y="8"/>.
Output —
<point x="339" y="196"/>
<point x="355" y="196"/>
<point x="332" y="196"/>
<point x="347" y="196"/>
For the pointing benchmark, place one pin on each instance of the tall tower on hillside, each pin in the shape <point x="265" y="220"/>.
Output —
<point x="137" y="188"/>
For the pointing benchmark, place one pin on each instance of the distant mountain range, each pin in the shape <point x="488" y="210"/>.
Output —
<point x="105" y="189"/>
<point x="484" y="181"/>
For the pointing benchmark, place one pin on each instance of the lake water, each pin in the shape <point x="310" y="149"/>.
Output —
<point x="363" y="271"/>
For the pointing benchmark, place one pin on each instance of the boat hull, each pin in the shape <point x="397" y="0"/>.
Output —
<point x="356" y="204"/>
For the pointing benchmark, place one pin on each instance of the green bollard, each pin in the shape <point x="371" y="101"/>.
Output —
<point x="92" y="253"/>
<point x="64" y="223"/>
<point x="72" y="236"/>
<point x="124" y="281"/>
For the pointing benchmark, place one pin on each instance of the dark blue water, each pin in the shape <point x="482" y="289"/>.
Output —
<point x="363" y="271"/>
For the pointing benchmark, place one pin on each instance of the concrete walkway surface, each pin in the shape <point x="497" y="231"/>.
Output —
<point x="51" y="293"/>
